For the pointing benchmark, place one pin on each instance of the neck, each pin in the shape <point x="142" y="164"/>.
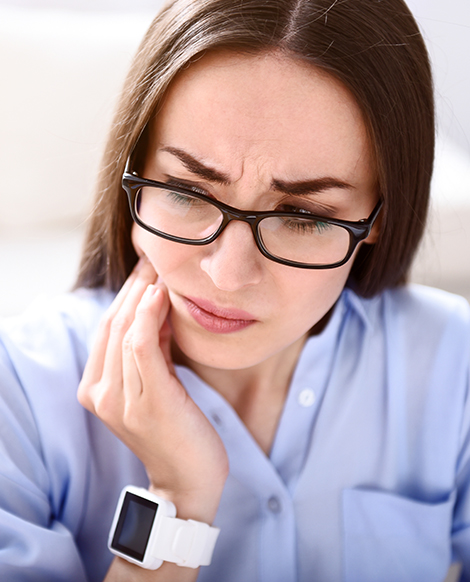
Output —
<point x="257" y="393"/>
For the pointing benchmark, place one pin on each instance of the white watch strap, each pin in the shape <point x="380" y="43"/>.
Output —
<point x="187" y="543"/>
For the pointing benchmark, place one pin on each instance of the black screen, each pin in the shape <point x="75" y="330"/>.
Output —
<point x="134" y="525"/>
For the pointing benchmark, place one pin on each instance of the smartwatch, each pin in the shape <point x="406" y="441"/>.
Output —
<point x="146" y="532"/>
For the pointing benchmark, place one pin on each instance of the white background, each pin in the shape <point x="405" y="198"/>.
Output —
<point x="58" y="91"/>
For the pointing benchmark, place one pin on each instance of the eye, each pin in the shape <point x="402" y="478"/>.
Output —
<point x="304" y="210"/>
<point x="179" y="199"/>
<point x="302" y="226"/>
<point x="187" y="186"/>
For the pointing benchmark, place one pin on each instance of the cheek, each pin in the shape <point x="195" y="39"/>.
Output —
<point x="165" y="256"/>
<point x="313" y="293"/>
<point x="138" y="240"/>
<point x="300" y="298"/>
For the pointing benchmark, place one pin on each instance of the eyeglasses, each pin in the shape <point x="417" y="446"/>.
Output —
<point x="297" y="239"/>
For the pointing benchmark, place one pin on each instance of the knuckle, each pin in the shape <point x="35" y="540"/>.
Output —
<point x="105" y="407"/>
<point x="131" y="420"/>
<point x="128" y="343"/>
<point x="105" y="323"/>
<point x="134" y="343"/>
<point x="101" y="398"/>
<point x="84" y="396"/>
<point x="120" y="324"/>
<point x="140" y="347"/>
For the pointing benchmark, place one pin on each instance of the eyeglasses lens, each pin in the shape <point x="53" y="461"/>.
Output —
<point x="177" y="214"/>
<point x="296" y="239"/>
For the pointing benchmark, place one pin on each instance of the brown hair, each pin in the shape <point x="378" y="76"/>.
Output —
<point x="373" y="47"/>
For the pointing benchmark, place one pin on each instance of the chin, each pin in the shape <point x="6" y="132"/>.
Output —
<point x="222" y="352"/>
<point x="215" y="354"/>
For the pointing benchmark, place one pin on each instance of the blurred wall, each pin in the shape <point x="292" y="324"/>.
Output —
<point x="62" y="63"/>
<point x="446" y="28"/>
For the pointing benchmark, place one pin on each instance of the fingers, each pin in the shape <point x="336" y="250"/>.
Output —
<point x="130" y="385"/>
<point x="134" y="345"/>
<point x="122" y="320"/>
<point x="142" y="356"/>
<point x="124" y="291"/>
<point x="154" y="303"/>
<point x="104" y="367"/>
<point x="94" y="368"/>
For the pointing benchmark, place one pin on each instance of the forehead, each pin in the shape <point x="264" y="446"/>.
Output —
<point x="269" y="107"/>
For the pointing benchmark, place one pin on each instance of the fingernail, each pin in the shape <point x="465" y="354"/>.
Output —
<point x="150" y="291"/>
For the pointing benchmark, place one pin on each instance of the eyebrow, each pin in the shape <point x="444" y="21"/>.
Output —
<point x="301" y="188"/>
<point x="197" y="168"/>
<point x="296" y="188"/>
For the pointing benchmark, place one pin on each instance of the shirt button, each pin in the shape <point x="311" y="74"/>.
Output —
<point x="307" y="398"/>
<point x="274" y="504"/>
<point x="217" y="420"/>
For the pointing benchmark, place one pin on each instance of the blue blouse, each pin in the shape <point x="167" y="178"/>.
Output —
<point x="368" y="478"/>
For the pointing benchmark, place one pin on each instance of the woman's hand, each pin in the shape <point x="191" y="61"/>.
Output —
<point x="130" y="384"/>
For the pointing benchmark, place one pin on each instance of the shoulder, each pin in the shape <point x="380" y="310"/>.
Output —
<point x="430" y="317"/>
<point x="420" y="301"/>
<point x="51" y="340"/>
<point x="420" y="335"/>
<point x="425" y="339"/>
<point x="49" y="322"/>
<point x="43" y="353"/>
<point x="414" y="308"/>
<point x="78" y="308"/>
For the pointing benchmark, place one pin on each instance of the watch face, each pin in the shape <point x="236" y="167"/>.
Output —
<point x="133" y="529"/>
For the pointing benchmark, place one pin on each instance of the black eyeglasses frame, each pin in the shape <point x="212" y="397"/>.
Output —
<point x="358" y="231"/>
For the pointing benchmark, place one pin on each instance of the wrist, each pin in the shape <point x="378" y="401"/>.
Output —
<point x="146" y="531"/>
<point x="197" y="505"/>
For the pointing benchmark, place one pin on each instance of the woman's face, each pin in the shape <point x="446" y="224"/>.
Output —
<point x="235" y="126"/>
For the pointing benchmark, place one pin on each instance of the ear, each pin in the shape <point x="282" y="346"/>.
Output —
<point x="374" y="234"/>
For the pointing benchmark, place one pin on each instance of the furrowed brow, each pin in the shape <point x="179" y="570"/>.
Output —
<point x="305" y="187"/>
<point x="198" y="168"/>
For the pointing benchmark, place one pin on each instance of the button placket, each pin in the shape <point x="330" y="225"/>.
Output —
<point x="217" y="419"/>
<point x="306" y="398"/>
<point x="274" y="504"/>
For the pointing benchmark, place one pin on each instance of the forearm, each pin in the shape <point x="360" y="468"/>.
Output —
<point x="130" y="383"/>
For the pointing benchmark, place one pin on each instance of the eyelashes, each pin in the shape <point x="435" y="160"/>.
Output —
<point x="303" y="204"/>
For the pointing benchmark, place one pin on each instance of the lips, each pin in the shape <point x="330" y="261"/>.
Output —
<point x="216" y="319"/>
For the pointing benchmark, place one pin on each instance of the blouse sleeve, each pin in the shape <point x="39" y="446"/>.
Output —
<point x="35" y="544"/>
<point x="461" y="520"/>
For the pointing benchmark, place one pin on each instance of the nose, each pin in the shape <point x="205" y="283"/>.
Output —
<point x="233" y="260"/>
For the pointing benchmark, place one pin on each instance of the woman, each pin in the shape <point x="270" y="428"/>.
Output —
<point x="263" y="368"/>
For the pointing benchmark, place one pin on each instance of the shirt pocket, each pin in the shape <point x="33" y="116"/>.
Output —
<point x="389" y="538"/>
